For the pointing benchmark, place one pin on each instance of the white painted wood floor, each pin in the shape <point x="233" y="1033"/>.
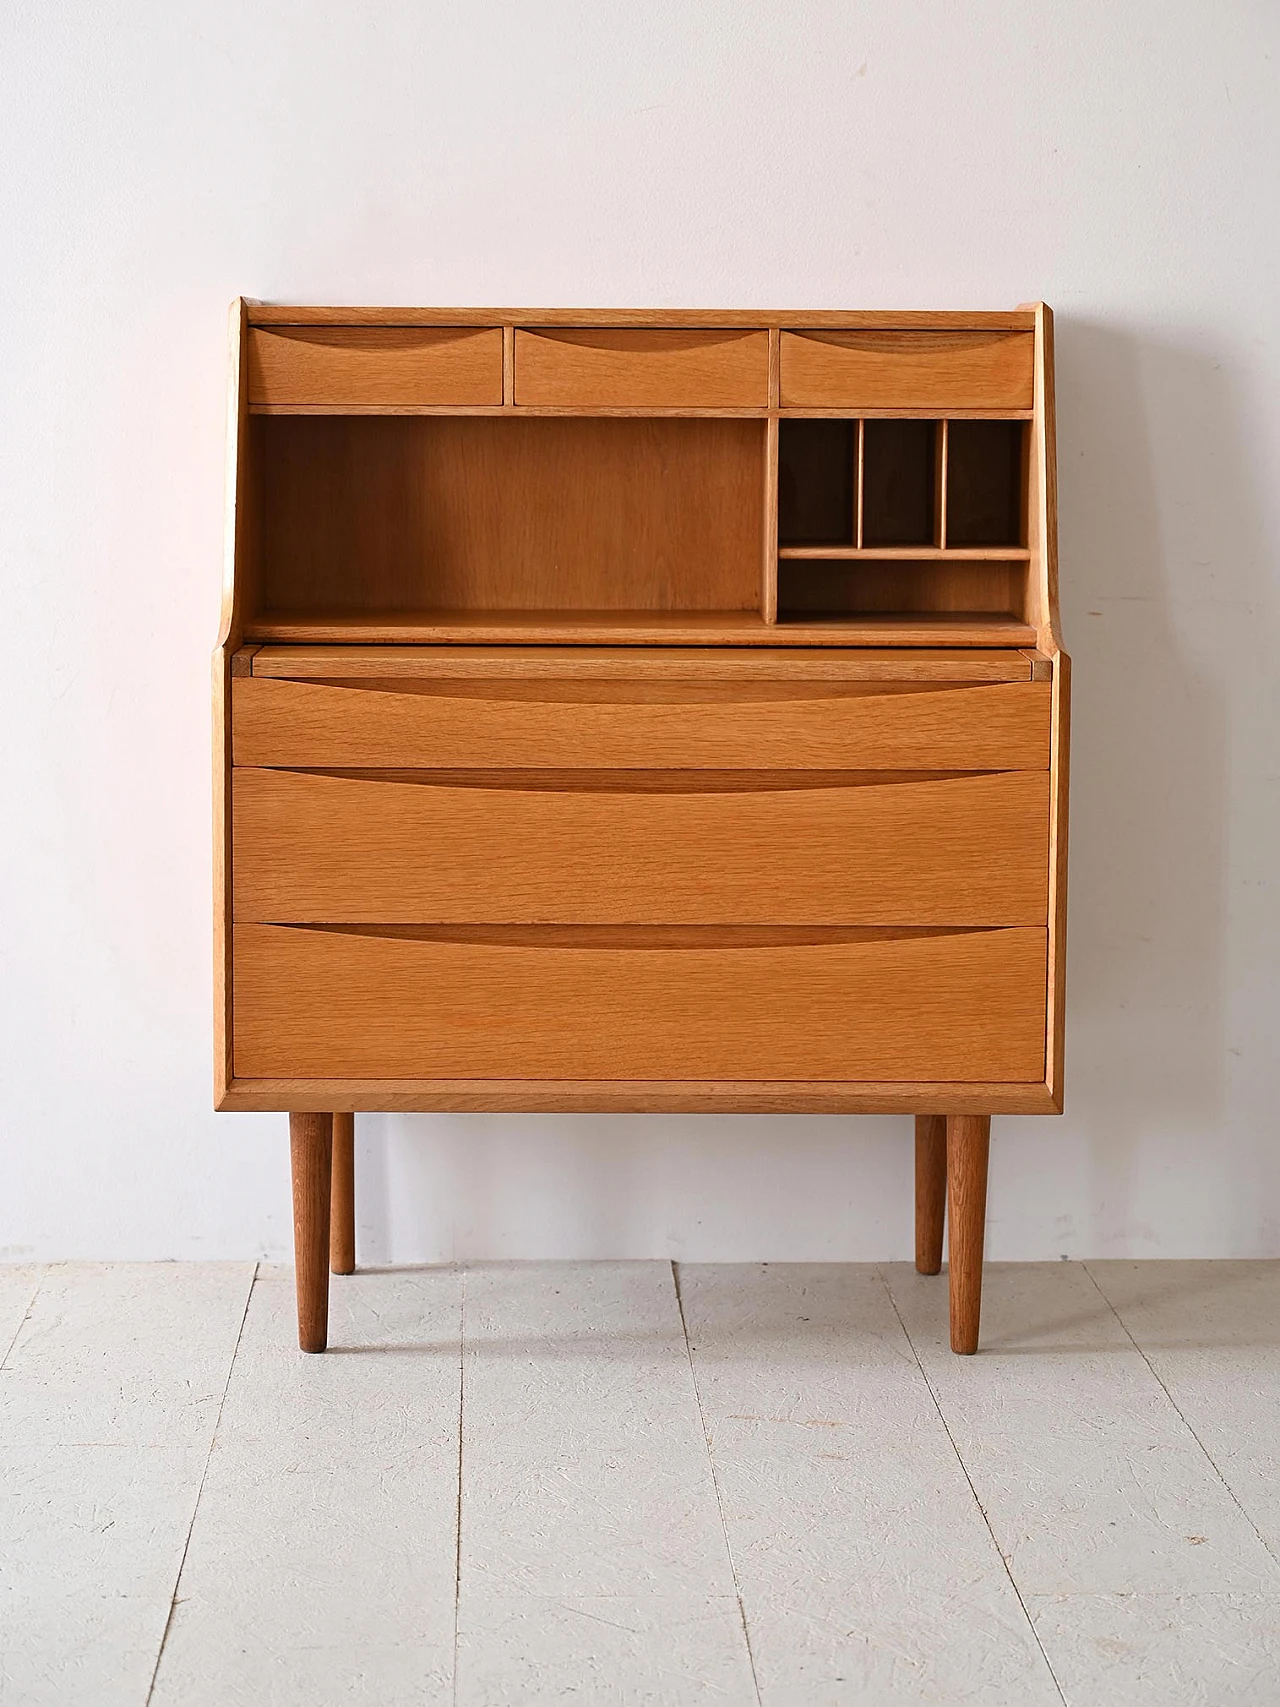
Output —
<point x="748" y="1484"/>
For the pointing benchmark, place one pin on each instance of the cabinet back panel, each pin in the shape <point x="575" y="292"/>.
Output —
<point x="928" y="585"/>
<point x="985" y="482"/>
<point x="816" y="482"/>
<point x="402" y="513"/>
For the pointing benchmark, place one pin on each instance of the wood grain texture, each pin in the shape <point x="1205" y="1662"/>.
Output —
<point x="931" y="588"/>
<point x="641" y="368"/>
<point x="964" y="850"/>
<point x="968" y="1143"/>
<point x="916" y="319"/>
<point x="931" y="1190"/>
<point x="394" y="515"/>
<point x="1003" y="726"/>
<point x="342" y="1217"/>
<point x="643" y="628"/>
<point x="235" y="578"/>
<point x="332" y="367"/>
<point x="311" y="1152"/>
<point x="377" y="1004"/>
<point x="635" y="1096"/>
<point x="935" y="369"/>
<point x="628" y="663"/>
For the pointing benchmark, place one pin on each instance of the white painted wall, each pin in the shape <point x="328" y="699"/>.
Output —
<point x="1122" y="161"/>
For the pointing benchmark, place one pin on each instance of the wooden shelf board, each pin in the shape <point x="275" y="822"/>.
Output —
<point x="600" y="411"/>
<point x="905" y="553"/>
<point x="705" y="663"/>
<point x="644" y="628"/>
<point x="282" y="314"/>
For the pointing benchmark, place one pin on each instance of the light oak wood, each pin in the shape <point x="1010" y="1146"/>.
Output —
<point x="342" y="1219"/>
<point x="968" y="1142"/>
<point x="333" y="367"/>
<point x="311" y="1148"/>
<point x="647" y="628"/>
<point x="631" y="1096"/>
<point x="892" y="665"/>
<point x="562" y="787"/>
<point x="1003" y="726"/>
<point x="769" y="532"/>
<point x="938" y="370"/>
<point x="235" y="575"/>
<point x="633" y="848"/>
<point x="388" y="1003"/>
<point x="293" y="314"/>
<point x="505" y="515"/>
<point x="643" y="368"/>
<point x="931" y="586"/>
<point x="931" y="1190"/>
<point x="907" y="553"/>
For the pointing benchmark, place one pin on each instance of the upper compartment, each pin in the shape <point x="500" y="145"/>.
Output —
<point x="642" y="477"/>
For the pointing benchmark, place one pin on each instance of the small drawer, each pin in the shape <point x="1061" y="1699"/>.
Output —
<point x="642" y="369"/>
<point x="687" y="848"/>
<point x="374" y="366"/>
<point x="648" y="726"/>
<point x="428" y="1002"/>
<point x="907" y="370"/>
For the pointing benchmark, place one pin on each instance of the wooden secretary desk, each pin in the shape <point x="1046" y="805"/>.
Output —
<point x="644" y="711"/>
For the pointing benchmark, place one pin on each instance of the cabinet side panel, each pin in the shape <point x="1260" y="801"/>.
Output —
<point x="230" y="635"/>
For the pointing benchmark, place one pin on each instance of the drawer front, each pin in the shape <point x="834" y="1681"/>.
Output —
<point x="643" y="369"/>
<point x="321" y="848"/>
<point x="651" y="726"/>
<point x="343" y="366"/>
<point x="316" y="1003"/>
<point x="907" y="370"/>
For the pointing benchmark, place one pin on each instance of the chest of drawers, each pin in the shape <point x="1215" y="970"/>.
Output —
<point x="633" y="711"/>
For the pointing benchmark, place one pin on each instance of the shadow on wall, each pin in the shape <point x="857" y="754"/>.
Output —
<point x="1169" y="622"/>
<point x="1167" y="616"/>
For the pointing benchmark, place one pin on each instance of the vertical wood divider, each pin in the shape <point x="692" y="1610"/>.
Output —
<point x="508" y="367"/>
<point x="940" y="490"/>
<point x="860" y="458"/>
<point x="769" y="556"/>
<point x="769" y="563"/>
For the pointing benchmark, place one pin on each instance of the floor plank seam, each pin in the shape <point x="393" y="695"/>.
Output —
<point x="204" y="1473"/>
<point x="715" y="1483"/>
<point x="26" y="1317"/>
<point x="1178" y="1411"/>
<point x="457" y="1538"/>
<point x="982" y="1510"/>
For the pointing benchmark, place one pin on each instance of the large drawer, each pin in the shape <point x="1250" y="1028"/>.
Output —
<point x="632" y="848"/>
<point x="652" y="726"/>
<point x="345" y="366"/>
<point x="607" y="368"/>
<point x="907" y="370"/>
<point x="418" y="1003"/>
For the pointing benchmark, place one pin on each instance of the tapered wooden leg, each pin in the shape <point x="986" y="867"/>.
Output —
<point x="931" y="1190"/>
<point x="311" y="1147"/>
<point x="342" y="1225"/>
<point x="968" y="1141"/>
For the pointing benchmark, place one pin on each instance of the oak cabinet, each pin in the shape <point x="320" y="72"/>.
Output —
<point x="641" y="711"/>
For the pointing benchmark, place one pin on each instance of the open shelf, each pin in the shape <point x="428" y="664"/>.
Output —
<point x="377" y="517"/>
<point x="986" y="483"/>
<point x="502" y="529"/>
<point x="899" y="500"/>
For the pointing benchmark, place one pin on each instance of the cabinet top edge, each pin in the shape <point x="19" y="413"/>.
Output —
<point x="286" y="314"/>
